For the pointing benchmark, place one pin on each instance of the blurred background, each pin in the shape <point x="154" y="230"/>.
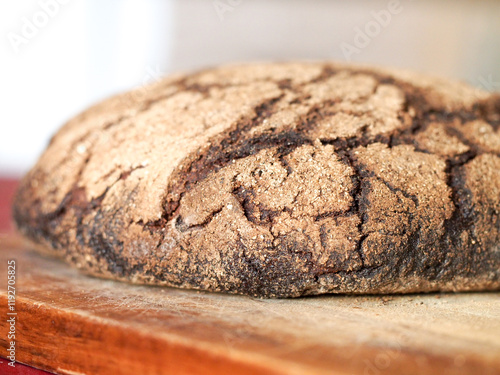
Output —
<point x="59" y="56"/>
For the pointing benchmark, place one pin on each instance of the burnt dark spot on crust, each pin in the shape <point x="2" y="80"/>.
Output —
<point x="100" y="234"/>
<point x="360" y="202"/>
<point x="462" y="220"/>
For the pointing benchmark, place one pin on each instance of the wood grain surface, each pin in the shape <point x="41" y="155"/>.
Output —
<point x="70" y="323"/>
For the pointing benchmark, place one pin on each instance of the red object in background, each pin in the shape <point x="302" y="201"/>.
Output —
<point x="19" y="369"/>
<point x="8" y="187"/>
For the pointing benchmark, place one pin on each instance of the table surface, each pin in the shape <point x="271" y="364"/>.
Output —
<point x="70" y="323"/>
<point x="8" y="186"/>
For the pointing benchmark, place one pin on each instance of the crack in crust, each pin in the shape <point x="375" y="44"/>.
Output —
<point x="275" y="263"/>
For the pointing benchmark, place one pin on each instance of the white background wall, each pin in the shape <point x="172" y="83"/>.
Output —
<point x="87" y="50"/>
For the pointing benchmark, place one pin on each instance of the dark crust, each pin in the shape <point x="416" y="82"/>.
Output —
<point x="236" y="144"/>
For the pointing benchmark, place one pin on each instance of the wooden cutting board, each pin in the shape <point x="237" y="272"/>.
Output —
<point x="70" y="323"/>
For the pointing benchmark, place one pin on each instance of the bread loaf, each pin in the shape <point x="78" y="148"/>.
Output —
<point x="277" y="180"/>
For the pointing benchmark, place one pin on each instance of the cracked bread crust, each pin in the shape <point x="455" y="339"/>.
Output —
<point x="277" y="180"/>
